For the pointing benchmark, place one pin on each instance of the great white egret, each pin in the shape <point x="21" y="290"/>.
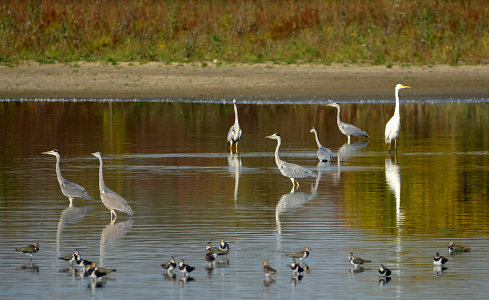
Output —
<point x="393" y="127"/>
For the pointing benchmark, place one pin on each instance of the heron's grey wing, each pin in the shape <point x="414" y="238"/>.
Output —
<point x="324" y="154"/>
<point x="353" y="130"/>
<point x="114" y="201"/>
<point x="73" y="190"/>
<point x="230" y="134"/>
<point x="296" y="171"/>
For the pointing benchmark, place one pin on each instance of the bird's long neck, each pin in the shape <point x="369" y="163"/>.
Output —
<point x="58" y="171"/>
<point x="396" y="112"/>
<point x="338" y="116"/>
<point x="278" y="161"/>
<point x="317" y="140"/>
<point x="101" y="183"/>
<point x="235" y="114"/>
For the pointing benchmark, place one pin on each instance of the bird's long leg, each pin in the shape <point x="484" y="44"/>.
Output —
<point x="293" y="183"/>
<point x="348" y="139"/>
<point x="71" y="201"/>
<point x="236" y="147"/>
<point x="231" y="146"/>
<point x="395" y="144"/>
<point x="297" y="184"/>
<point x="389" y="147"/>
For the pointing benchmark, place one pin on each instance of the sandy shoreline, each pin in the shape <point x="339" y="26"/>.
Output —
<point x="264" y="81"/>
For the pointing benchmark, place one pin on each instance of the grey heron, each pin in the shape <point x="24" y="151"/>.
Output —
<point x="345" y="128"/>
<point x="235" y="132"/>
<point x="68" y="188"/>
<point x="324" y="154"/>
<point x="393" y="127"/>
<point x="110" y="199"/>
<point x="290" y="170"/>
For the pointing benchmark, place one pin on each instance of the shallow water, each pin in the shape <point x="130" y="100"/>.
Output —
<point x="169" y="161"/>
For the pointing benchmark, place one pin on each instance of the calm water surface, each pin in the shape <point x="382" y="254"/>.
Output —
<point x="169" y="161"/>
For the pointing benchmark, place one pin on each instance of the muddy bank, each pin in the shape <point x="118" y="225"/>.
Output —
<point x="260" y="81"/>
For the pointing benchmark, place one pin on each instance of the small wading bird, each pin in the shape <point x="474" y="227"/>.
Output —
<point x="345" y="128"/>
<point x="235" y="132"/>
<point x="223" y="246"/>
<point x="268" y="269"/>
<point x="29" y="250"/>
<point x="439" y="260"/>
<point x="356" y="261"/>
<point x="290" y="170"/>
<point x="71" y="258"/>
<point x="452" y="248"/>
<point x="215" y="250"/>
<point x="393" y="127"/>
<point x="109" y="198"/>
<point x="301" y="254"/>
<point x="324" y="154"/>
<point x="296" y="269"/>
<point x="96" y="273"/>
<point x="68" y="188"/>
<point x="184" y="268"/>
<point x="209" y="256"/>
<point x="169" y="265"/>
<point x="384" y="272"/>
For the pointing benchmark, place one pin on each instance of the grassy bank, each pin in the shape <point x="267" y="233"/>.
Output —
<point x="356" y="31"/>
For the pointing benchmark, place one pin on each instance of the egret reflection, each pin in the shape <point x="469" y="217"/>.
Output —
<point x="235" y="165"/>
<point x="393" y="179"/>
<point x="112" y="233"/>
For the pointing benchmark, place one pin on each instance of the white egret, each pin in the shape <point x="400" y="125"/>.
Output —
<point x="393" y="127"/>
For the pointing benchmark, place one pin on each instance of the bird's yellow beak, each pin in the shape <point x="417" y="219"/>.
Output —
<point x="268" y="137"/>
<point x="47" y="152"/>
<point x="406" y="87"/>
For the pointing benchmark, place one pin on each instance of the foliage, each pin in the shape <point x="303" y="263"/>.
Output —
<point x="356" y="31"/>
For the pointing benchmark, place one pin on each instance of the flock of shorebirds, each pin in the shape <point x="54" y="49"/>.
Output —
<point x="96" y="273"/>
<point x="115" y="202"/>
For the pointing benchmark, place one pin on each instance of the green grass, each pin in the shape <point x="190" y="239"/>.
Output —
<point x="382" y="32"/>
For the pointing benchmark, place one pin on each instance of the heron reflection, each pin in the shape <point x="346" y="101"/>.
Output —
<point x="70" y="215"/>
<point x="348" y="150"/>
<point x="235" y="165"/>
<point x="112" y="233"/>
<point x="294" y="200"/>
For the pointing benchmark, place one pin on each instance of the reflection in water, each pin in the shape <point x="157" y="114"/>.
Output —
<point x="112" y="233"/>
<point x="70" y="215"/>
<point x="384" y="281"/>
<point x="438" y="270"/>
<point x="267" y="283"/>
<point x="170" y="277"/>
<point x="393" y="178"/>
<point x="293" y="200"/>
<point x="235" y="165"/>
<point x="30" y="267"/>
<point x="348" y="150"/>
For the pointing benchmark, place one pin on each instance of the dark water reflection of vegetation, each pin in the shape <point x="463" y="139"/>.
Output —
<point x="169" y="160"/>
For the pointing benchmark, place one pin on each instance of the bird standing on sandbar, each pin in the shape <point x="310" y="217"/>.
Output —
<point x="393" y="127"/>
<point x="235" y="132"/>
<point x="110" y="199"/>
<point x="290" y="170"/>
<point x="324" y="154"/>
<point x="68" y="188"/>
<point x="345" y="128"/>
<point x="29" y="250"/>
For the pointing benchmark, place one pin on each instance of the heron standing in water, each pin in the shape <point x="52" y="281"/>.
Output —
<point x="345" y="128"/>
<point x="235" y="132"/>
<point x="290" y="170"/>
<point x="68" y="188"/>
<point x="393" y="127"/>
<point x="110" y="199"/>
<point x="324" y="154"/>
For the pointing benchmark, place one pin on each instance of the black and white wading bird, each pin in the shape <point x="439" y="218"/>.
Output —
<point x="356" y="261"/>
<point x="345" y="128"/>
<point x="68" y="188"/>
<point x="323" y="153"/>
<point x="184" y="268"/>
<point x="169" y="265"/>
<point x="223" y="246"/>
<point x="289" y="170"/>
<point x="393" y="127"/>
<point x="384" y="272"/>
<point x="301" y="254"/>
<point x="95" y="272"/>
<point x="439" y="260"/>
<point x="452" y="248"/>
<point x="29" y="250"/>
<point x="296" y="269"/>
<point x="235" y="132"/>
<point x="110" y="199"/>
